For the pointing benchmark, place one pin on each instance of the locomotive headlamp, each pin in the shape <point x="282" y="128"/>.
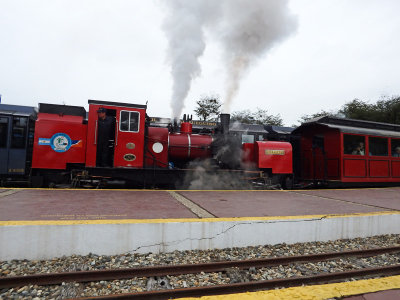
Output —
<point x="158" y="147"/>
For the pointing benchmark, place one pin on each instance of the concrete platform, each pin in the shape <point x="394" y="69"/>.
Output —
<point x="273" y="203"/>
<point x="90" y="205"/>
<point x="58" y="204"/>
<point x="45" y="223"/>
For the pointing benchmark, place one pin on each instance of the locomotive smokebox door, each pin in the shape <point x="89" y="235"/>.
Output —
<point x="126" y="147"/>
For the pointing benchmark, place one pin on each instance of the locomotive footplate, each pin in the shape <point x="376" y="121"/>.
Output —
<point x="197" y="178"/>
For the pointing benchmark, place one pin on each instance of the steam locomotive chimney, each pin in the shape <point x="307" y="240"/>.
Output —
<point x="225" y="120"/>
<point x="175" y="125"/>
<point x="186" y="127"/>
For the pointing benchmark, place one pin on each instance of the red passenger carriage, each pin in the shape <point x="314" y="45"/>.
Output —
<point x="345" y="151"/>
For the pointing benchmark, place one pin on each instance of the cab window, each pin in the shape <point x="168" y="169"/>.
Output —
<point x="378" y="146"/>
<point x="247" y="138"/>
<point x="353" y="144"/>
<point x="129" y="121"/>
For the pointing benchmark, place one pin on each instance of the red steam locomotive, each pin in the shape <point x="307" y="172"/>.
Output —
<point x="65" y="150"/>
<point x="59" y="145"/>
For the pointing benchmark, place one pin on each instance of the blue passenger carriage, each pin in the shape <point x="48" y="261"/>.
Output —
<point x="16" y="140"/>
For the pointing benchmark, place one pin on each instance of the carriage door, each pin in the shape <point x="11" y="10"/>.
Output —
<point x="18" y="145"/>
<point x="318" y="157"/>
<point x="4" y="143"/>
<point x="129" y="138"/>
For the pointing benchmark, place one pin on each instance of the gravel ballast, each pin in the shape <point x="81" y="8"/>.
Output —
<point x="132" y="260"/>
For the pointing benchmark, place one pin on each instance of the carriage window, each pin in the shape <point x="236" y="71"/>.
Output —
<point x="3" y="132"/>
<point x="129" y="121"/>
<point x="18" y="132"/>
<point x="378" y="146"/>
<point x="354" y="144"/>
<point x="396" y="147"/>
<point x="247" y="138"/>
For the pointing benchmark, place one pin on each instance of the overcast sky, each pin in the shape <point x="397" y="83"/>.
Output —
<point x="70" y="51"/>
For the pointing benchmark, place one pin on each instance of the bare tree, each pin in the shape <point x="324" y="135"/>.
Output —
<point x="321" y="113"/>
<point x="260" y="116"/>
<point x="208" y="107"/>
<point x="386" y="110"/>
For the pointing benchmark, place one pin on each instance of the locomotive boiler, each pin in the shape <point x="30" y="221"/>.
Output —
<point x="185" y="146"/>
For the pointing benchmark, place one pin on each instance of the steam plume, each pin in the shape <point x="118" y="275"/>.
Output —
<point x="246" y="29"/>
<point x="183" y="26"/>
<point x="249" y="30"/>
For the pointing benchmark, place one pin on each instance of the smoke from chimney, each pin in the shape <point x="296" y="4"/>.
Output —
<point x="184" y="28"/>
<point x="246" y="30"/>
<point x="249" y="30"/>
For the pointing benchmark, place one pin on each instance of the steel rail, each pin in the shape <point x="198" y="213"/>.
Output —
<point x="114" y="274"/>
<point x="252" y="285"/>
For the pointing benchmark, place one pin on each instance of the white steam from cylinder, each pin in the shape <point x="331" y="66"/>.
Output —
<point x="246" y="30"/>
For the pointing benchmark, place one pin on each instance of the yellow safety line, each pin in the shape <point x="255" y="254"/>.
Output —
<point x="316" y="292"/>
<point x="152" y="190"/>
<point x="191" y="220"/>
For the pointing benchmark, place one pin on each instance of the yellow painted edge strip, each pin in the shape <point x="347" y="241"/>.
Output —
<point x="152" y="190"/>
<point x="211" y="220"/>
<point x="316" y="292"/>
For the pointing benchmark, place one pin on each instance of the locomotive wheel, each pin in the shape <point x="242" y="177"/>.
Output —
<point x="36" y="181"/>
<point x="288" y="183"/>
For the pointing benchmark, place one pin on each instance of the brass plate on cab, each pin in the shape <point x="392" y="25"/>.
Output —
<point x="129" y="157"/>
<point x="130" y="145"/>
<point x="274" y="152"/>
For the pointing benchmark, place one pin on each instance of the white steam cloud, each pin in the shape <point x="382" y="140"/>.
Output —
<point x="246" y="30"/>
<point x="251" y="28"/>
<point x="184" y="27"/>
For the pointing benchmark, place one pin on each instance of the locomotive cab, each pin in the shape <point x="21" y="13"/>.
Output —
<point x="126" y="143"/>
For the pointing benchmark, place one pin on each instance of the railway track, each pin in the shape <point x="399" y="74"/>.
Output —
<point x="222" y="266"/>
